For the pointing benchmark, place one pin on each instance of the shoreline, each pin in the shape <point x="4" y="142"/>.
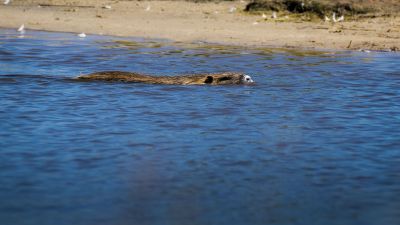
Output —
<point x="221" y="23"/>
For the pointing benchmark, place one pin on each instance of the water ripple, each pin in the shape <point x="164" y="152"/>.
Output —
<point x="314" y="142"/>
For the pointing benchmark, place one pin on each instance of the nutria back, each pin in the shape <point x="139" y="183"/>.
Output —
<point x="224" y="78"/>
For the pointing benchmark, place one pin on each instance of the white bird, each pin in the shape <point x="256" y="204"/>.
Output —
<point x="6" y="2"/>
<point x="340" y="19"/>
<point x="21" y="29"/>
<point x="232" y="9"/>
<point x="274" y="16"/>
<point x="148" y="8"/>
<point x="264" y="16"/>
<point x="82" y="35"/>
<point x="107" y="7"/>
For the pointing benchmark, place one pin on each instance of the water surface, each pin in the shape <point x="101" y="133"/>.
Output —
<point x="315" y="141"/>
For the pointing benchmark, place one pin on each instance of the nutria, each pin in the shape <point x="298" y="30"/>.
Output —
<point x="209" y="78"/>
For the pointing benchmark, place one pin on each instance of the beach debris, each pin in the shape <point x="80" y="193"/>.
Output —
<point x="232" y="9"/>
<point x="107" y="7"/>
<point x="327" y="19"/>
<point x="6" y="2"/>
<point x="274" y="16"/>
<point x="364" y="50"/>
<point x="216" y="12"/>
<point x="255" y="23"/>
<point x="264" y="16"/>
<point x="21" y="29"/>
<point x="348" y="46"/>
<point x="340" y="19"/>
<point x="148" y="8"/>
<point x="82" y="35"/>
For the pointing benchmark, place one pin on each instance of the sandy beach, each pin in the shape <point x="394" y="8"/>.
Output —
<point x="223" y="23"/>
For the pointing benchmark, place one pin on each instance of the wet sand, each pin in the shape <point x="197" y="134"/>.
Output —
<point x="223" y="23"/>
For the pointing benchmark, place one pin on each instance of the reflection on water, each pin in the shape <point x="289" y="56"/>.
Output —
<point x="316" y="141"/>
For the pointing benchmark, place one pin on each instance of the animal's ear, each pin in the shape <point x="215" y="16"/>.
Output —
<point x="209" y="80"/>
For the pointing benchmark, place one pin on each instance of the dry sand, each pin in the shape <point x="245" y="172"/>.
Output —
<point x="209" y="22"/>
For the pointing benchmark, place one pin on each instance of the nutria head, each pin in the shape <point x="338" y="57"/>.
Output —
<point x="246" y="79"/>
<point x="228" y="78"/>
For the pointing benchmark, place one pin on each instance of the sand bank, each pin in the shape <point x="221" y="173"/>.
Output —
<point x="223" y="22"/>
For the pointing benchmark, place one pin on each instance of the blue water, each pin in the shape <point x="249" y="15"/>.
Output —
<point x="315" y="141"/>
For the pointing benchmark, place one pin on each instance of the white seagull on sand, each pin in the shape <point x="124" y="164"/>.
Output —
<point x="82" y="35"/>
<point x="338" y="19"/>
<point x="6" y="2"/>
<point x="334" y="17"/>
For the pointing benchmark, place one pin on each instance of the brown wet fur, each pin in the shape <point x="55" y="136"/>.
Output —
<point x="225" y="78"/>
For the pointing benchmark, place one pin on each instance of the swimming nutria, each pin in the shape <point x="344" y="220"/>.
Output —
<point x="209" y="78"/>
